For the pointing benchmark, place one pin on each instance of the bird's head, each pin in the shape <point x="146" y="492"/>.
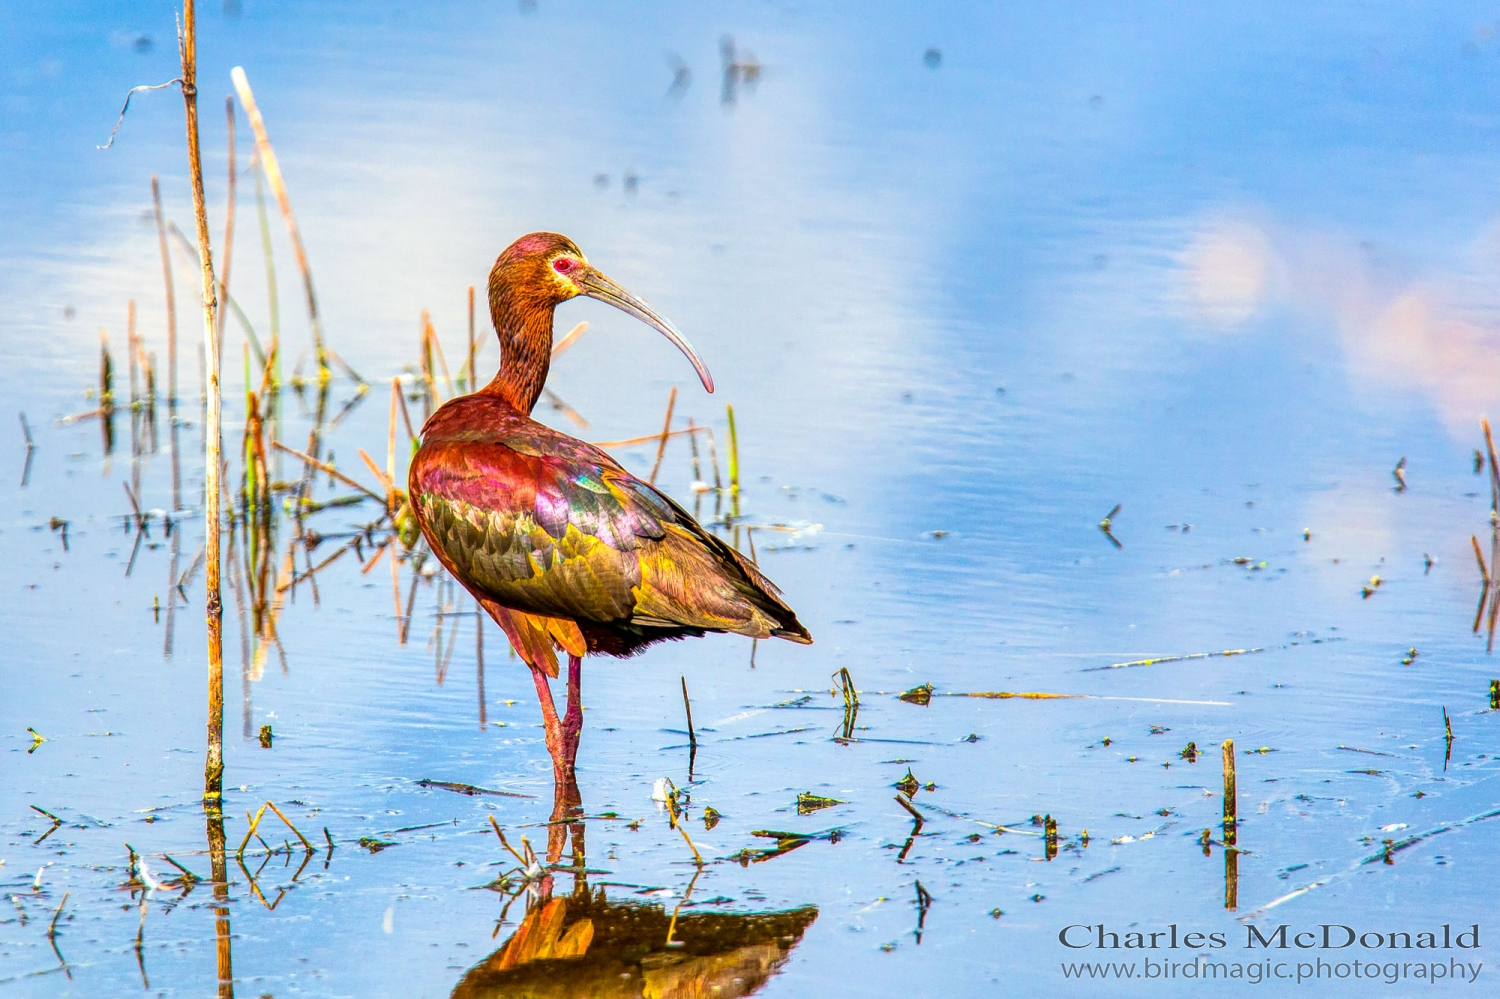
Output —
<point x="547" y="268"/>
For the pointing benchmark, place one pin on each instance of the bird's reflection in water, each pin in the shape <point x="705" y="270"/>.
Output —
<point x="587" y="944"/>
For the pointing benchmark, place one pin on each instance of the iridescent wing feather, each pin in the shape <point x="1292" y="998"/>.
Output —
<point x="546" y="525"/>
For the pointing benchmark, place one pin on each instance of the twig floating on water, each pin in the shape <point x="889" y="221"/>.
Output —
<point x="1371" y="752"/>
<point x="1380" y="857"/>
<point x="1105" y="525"/>
<point x="468" y="789"/>
<point x="1174" y="659"/>
<point x="807" y="803"/>
<point x="1006" y="694"/>
<point x="921" y="694"/>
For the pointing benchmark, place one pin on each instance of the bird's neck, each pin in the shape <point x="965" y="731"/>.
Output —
<point x="525" y="329"/>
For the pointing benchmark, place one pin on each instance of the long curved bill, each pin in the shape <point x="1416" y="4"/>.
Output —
<point x="596" y="285"/>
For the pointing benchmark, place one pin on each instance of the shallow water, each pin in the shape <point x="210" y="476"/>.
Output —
<point x="1223" y="270"/>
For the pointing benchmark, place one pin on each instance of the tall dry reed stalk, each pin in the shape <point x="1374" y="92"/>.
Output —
<point x="272" y="169"/>
<point x="213" y="771"/>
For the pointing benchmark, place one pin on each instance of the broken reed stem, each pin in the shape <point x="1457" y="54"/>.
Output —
<point x="697" y="857"/>
<point x="713" y="457"/>
<point x="186" y="874"/>
<point x="734" y="463"/>
<point x="272" y="170"/>
<point x="52" y="926"/>
<point x="671" y="941"/>
<point x="213" y="770"/>
<point x="505" y="843"/>
<point x="265" y="247"/>
<point x="688" y="705"/>
<point x="569" y="340"/>
<point x="629" y="441"/>
<point x="305" y="844"/>
<point x="1489" y="443"/>
<point x="913" y="812"/>
<point x="693" y="445"/>
<point x="846" y="687"/>
<point x="666" y="430"/>
<point x="323" y="466"/>
<point x="166" y="272"/>
<point x="388" y="482"/>
<point x="424" y="355"/>
<point x="406" y="417"/>
<point x="228" y="222"/>
<point x="251" y="831"/>
<point x="131" y="355"/>
<point x="106" y="376"/>
<point x="106" y="395"/>
<point x="471" y="385"/>
<point x="390" y="449"/>
<point x="1231" y="797"/>
<point x="443" y="361"/>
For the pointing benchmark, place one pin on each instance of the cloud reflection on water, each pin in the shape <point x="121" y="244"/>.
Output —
<point x="1401" y="333"/>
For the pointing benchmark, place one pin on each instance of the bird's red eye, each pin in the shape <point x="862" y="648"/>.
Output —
<point x="564" y="265"/>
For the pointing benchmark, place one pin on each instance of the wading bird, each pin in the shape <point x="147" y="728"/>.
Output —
<point x="564" y="548"/>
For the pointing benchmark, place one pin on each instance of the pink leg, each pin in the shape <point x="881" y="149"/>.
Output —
<point x="572" y="724"/>
<point x="562" y="734"/>
<point x="550" y="722"/>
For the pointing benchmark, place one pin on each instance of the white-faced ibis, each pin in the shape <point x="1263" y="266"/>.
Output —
<point x="562" y="546"/>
